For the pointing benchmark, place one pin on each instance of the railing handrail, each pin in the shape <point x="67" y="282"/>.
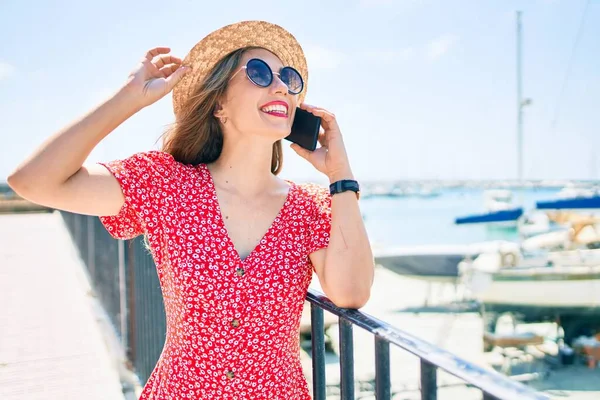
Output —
<point x="489" y="381"/>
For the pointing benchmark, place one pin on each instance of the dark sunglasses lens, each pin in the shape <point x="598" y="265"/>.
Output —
<point x="292" y="79"/>
<point x="259" y="72"/>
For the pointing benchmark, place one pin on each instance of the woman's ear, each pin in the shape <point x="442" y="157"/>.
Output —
<point x="218" y="112"/>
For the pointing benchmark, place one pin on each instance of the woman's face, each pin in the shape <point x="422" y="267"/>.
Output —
<point x="251" y="109"/>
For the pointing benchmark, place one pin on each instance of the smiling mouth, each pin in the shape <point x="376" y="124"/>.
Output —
<point x="276" y="110"/>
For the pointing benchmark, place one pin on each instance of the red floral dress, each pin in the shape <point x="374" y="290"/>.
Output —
<point x="232" y="324"/>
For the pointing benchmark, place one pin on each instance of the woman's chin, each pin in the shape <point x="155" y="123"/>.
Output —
<point x="282" y="134"/>
<point x="275" y="127"/>
<point x="280" y="130"/>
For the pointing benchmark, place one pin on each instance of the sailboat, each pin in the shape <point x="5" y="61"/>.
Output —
<point x="499" y="210"/>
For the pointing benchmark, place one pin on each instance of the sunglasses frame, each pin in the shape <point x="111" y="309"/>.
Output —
<point x="245" y="67"/>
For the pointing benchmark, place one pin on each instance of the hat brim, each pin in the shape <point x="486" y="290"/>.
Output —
<point x="212" y="48"/>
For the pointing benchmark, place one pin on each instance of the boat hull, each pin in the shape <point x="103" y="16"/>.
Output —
<point x="440" y="267"/>
<point x="550" y="289"/>
<point x="579" y="203"/>
<point x="435" y="262"/>
<point x="495" y="217"/>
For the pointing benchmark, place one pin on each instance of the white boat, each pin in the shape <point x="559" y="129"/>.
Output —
<point x="502" y="212"/>
<point x="498" y="199"/>
<point x="534" y="223"/>
<point x="563" y="286"/>
<point x="577" y="232"/>
<point x="572" y="191"/>
<point x="433" y="262"/>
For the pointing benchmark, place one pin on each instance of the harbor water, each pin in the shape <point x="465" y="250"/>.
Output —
<point x="410" y="221"/>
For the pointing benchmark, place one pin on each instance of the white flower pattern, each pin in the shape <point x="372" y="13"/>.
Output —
<point x="232" y="324"/>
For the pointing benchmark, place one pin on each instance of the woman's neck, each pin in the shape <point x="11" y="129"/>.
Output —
<point x="245" y="173"/>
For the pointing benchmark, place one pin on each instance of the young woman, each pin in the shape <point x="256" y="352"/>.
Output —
<point x="234" y="245"/>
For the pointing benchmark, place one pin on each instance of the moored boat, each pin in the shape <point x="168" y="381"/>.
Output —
<point x="561" y="286"/>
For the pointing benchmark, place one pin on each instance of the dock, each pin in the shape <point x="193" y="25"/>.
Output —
<point x="52" y="344"/>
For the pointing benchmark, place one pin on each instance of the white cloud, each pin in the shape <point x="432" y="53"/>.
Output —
<point x="6" y="70"/>
<point x="440" y="46"/>
<point x="390" y="56"/>
<point x="321" y="58"/>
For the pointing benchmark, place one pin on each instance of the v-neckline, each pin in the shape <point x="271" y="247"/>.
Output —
<point x="221" y="221"/>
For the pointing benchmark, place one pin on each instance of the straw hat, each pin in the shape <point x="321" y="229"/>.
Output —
<point x="210" y="50"/>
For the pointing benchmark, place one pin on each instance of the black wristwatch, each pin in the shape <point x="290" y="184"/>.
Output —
<point x="345" y="185"/>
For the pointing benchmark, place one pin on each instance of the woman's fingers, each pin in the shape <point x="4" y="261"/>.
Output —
<point x="304" y="106"/>
<point x="161" y="61"/>
<point x="167" y="70"/>
<point x="175" y="76"/>
<point x="156" y="75"/>
<point x="301" y="151"/>
<point x="328" y="120"/>
<point x="322" y="138"/>
<point x="156" y="51"/>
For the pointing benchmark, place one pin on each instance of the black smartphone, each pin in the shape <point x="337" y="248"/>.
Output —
<point x="305" y="129"/>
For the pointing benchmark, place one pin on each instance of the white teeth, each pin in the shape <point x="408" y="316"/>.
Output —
<point x="275" y="108"/>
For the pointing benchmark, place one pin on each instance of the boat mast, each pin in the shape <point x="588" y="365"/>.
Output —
<point x="519" y="105"/>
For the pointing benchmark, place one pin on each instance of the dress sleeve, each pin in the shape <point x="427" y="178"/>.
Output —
<point x="143" y="178"/>
<point x="320" y="226"/>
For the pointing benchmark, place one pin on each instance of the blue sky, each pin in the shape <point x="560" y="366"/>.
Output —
<point x="421" y="88"/>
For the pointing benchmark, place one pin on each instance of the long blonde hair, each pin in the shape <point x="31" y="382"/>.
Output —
<point x="196" y="136"/>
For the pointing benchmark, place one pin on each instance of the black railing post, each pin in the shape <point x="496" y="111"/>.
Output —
<point x="487" y="396"/>
<point x="428" y="381"/>
<point x="382" y="369"/>
<point x="346" y="359"/>
<point x="317" y="332"/>
<point x="77" y="234"/>
<point x="123" y="299"/>
<point x="91" y="248"/>
<point x="129" y="257"/>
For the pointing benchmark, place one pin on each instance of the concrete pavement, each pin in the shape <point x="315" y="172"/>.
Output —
<point x="52" y="344"/>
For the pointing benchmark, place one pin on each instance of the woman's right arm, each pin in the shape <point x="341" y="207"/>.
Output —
<point x="54" y="175"/>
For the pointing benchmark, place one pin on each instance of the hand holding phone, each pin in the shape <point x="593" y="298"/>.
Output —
<point x="305" y="129"/>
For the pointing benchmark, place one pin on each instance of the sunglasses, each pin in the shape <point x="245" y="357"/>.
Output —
<point x="261" y="75"/>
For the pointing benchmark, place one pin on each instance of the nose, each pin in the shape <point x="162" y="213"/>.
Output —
<point x="278" y="86"/>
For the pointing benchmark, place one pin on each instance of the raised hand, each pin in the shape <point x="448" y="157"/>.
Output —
<point x="331" y="157"/>
<point x="155" y="76"/>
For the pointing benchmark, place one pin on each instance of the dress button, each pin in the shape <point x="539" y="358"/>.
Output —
<point x="235" y="323"/>
<point x="230" y="374"/>
<point x="240" y="271"/>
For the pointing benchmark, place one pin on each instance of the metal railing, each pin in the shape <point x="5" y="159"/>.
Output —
<point x="125" y="279"/>
<point x="492" y="384"/>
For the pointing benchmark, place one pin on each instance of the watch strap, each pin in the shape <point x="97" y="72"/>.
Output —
<point x="343" y="186"/>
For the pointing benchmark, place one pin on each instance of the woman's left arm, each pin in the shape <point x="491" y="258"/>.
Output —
<point x="346" y="267"/>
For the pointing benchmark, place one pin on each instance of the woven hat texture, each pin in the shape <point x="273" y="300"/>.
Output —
<point x="212" y="48"/>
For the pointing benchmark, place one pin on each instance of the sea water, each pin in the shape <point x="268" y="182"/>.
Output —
<point x="409" y="221"/>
